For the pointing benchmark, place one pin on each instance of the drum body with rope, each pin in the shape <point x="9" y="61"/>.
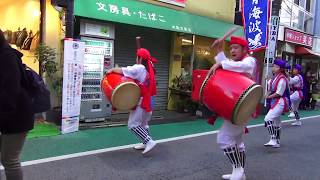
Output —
<point x="198" y="76"/>
<point x="231" y="95"/>
<point x="121" y="91"/>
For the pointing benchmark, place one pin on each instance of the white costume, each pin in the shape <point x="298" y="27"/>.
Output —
<point x="230" y="136"/>
<point x="278" y="85"/>
<point x="296" y="84"/>
<point x="139" y="118"/>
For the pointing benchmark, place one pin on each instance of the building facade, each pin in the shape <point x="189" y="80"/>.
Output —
<point x="297" y="34"/>
<point x="177" y="33"/>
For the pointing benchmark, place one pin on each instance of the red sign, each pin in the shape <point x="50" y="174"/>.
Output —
<point x="181" y="3"/>
<point x="298" y="37"/>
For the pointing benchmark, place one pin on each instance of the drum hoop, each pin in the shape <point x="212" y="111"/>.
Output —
<point x="240" y="100"/>
<point x="119" y="86"/>
<point x="203" y="85"/>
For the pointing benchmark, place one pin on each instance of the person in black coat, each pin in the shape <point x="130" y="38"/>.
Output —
<point x="16" y="116"/>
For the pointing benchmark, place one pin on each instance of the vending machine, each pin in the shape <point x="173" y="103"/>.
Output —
<point x="98" y="59"/>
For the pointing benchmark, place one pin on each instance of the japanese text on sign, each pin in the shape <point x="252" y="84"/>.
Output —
<point x="125" y="11"/>
<point x="298" y="37"/>
<point x="137" y="13"/>
<point x="255" y="13"/>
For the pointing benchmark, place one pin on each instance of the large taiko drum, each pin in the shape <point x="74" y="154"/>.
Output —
<point x="121" y="91"/>
<point x="231" y="95"/>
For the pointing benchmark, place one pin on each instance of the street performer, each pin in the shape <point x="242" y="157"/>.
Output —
<point x="279" y="98"/>
<point x="296" y="86"/>
<point x="230" y="136"/>
<point x="143" y="73"/>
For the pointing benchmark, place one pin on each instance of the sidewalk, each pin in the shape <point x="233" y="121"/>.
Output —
<point x="94" y="139"/>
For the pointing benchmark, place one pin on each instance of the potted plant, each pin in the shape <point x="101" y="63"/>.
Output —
<point x="180" y="92"/>
<point x="48" y="69"/>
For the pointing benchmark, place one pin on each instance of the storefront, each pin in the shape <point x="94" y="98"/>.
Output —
<point x="297" y="49"/>
<point x="20" y="22"/>
<point x="178" y="40"/>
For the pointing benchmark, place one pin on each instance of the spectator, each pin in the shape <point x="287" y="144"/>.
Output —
<point x="16" y="117"/>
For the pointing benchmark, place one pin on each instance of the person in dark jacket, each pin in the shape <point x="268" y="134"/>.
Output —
<point x="16" y="116"/>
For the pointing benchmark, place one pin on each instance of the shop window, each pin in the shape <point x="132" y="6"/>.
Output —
<point x="186" y="54"/>
<point x="308" y="24"/>
<point x="308" y="5"/>
<point x="297" y="18"/>
<point x="285" y="13"/>
<point x="300" y="3"/>
<point x="203" y="55"/>
<point x="20" y="23"/>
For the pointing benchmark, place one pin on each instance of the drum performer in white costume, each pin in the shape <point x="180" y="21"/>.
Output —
<point x="143" y="73"/>
<point x="296" y="86"/>
<point x="278" y="98"/>
<point x="230" y="136"/>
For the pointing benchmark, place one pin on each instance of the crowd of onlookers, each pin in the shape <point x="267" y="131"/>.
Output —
<point x="311" y="91"/>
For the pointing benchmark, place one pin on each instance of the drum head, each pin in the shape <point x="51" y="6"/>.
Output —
<point x="247" y="104"/>
<point x="125" y="96"/>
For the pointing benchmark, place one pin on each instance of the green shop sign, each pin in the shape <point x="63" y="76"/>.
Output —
<point x="143" y="14"/>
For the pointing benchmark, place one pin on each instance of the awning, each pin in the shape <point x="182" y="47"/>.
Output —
<point x="305" y="51"/>
<point x="144" y="14"/>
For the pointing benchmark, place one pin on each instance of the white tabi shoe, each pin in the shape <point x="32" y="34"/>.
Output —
<point x="237" y="174"/>
<point x="140" y="147"/>
<point x="291" y="115"/>
<point x="296" y="123"/>
<point x="226" y="176"/>
<point x="272" y="142"/>
<point x="149" y="146"/>
<point x="276" y="145"/>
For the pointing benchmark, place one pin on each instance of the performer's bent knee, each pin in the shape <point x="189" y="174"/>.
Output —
<point x="225" y="141"/>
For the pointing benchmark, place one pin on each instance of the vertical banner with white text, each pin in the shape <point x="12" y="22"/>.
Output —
<point x="255" y="15"/>
<point x="72" y="85"/>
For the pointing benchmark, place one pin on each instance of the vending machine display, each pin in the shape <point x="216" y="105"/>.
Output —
<point x="98" y="58"/>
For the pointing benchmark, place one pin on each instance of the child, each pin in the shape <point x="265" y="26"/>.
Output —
<point x="296" y="86"/>
<point x="279" y="97"/>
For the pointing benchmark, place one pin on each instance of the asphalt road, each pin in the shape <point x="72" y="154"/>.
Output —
<point x="197" y="158"/>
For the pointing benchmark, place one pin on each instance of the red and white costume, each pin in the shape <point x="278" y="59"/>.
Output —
<point x="141" y="115"/>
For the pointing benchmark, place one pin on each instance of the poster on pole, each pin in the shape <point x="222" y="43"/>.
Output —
<point x="72" y="85"/>
<point x="273" y="38"/>
<point x="255" y="15"/>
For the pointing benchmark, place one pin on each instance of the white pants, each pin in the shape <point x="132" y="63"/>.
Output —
<point x="230" y="135"/>
<point x="275" y="113"/>
<point x="139" y="117"/>
<point x="295" y="100"/>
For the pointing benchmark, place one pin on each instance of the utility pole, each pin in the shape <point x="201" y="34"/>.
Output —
<point x="273" y="27"/>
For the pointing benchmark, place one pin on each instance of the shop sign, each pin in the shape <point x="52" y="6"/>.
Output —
<point x="148" y="15"/>
<point x="72" y="85"/>
<point x="298" y="37"/>
<point x="181" y="3"/>
<point x="255" y="20"/>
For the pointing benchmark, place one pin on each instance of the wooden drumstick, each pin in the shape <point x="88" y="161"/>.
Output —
<point x="226" y="35"/>
<point x="138" y="42"/>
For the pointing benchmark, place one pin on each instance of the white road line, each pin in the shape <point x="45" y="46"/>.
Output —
<point x="57" y="158"/>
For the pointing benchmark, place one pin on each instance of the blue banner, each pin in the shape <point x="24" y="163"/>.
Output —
<point x="255" y="15"/>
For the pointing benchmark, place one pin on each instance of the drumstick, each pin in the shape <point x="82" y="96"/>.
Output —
<point x="138" y="42"/>
<point x="226" y="35"/>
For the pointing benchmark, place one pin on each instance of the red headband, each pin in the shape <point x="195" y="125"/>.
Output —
<point x="145" y="55"/>
<point x="239" y="40"/>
